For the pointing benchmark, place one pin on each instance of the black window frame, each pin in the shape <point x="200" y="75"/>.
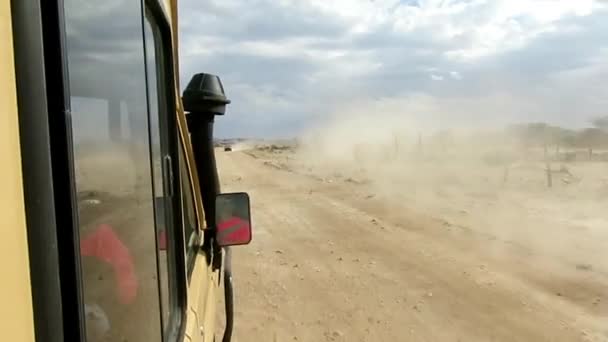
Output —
<point x="155" y="15"/>
<point x="44" y="124"/>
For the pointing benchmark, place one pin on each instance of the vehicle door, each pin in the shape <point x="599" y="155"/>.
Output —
<point x="143" y="273"/>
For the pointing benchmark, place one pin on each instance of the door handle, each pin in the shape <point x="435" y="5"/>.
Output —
<point x="168" y="176"/>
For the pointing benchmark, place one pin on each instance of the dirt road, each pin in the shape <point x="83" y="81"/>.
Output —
<point x="330" y="263"/>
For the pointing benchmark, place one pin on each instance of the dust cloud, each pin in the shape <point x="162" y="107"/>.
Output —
<point x="542" y="196"/>
<point x="493" y="233"/>
<point x="483" y="226"/>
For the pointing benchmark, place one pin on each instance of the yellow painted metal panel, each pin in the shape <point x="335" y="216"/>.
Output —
<point x="181" y="118"/>
<point x="197" y="288"/>
<point x="202" y="290"/>
<point x="167" y="8"/>
<point x="16" y="314"/>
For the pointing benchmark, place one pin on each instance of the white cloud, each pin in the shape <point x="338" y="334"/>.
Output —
<point x="491" y="26"/>
<point x="455" y="75"/>
<point x="305" y="58"/>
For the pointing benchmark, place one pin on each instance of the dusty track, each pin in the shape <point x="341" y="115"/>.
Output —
<point x="329" y="264"/>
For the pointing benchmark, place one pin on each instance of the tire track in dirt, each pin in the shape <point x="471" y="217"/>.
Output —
<point x="321" y="267"/>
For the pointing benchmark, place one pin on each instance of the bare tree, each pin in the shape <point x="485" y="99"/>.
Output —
<point x="600" y="122"/>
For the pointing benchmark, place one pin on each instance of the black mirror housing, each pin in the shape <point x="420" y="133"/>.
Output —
<point x="233" y="219"/>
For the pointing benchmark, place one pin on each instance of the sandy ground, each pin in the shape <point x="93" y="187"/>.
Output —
<point x="332" y="259"/>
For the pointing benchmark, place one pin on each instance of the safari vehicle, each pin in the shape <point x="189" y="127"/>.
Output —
<point x="113" y="224"/>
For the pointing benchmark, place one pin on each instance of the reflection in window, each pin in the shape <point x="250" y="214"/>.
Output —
<point x="105" y="55"/>
<point x="160" y="152"/>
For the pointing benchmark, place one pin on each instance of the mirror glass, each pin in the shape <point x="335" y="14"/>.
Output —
<point x="232" y="219"/>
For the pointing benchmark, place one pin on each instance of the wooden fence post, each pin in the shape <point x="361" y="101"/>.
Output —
<point x="549" y="175"/>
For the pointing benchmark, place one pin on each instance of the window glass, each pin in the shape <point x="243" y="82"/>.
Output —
<point x="160" y="150"/>
<point x="106" y="63"/>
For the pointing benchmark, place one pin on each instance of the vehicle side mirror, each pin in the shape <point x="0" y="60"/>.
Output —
<point x="233" y="219"/>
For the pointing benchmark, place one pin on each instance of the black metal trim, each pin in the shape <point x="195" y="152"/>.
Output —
<point x="37" y="170"/>
<point x="228" y="295"/>
<point x="60" y="124"/>
<point x="152" y="23"/>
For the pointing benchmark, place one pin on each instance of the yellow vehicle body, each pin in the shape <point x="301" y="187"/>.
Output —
<point x="16" y="312"/>
<point x="202" y="289"/>
<point x="69" y="306"/>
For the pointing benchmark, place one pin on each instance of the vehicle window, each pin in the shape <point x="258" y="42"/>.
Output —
<point x="189" y="214"/>
<point x="106" y="64"/>
<point x="161" y="158"/>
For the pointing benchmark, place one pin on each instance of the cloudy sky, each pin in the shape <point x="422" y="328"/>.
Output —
<point x="291" y="65"/>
